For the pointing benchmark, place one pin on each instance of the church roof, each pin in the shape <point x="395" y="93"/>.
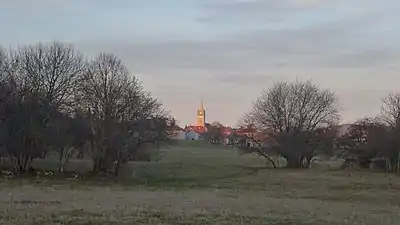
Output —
<point x="197" y="129"/>
<point x="201" y="105"/>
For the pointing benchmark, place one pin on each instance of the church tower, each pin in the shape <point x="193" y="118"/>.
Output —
<point x="201" y="116"/>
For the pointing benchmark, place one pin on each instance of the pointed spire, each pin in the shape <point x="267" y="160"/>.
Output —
<point x="201" y="105"/>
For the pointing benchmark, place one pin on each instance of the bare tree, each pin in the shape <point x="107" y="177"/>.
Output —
<point x="214" y="133"/>
<point x="3" y="59"/>
<point x="103" y="89"/>
<point x="375" y="140"/>
<point x="390" y="116"/>
<point x="355" y="146"/>
<point x="216" y="124"/>
<point x="68" y="135"/>
<point x="391" y="110"/>
<point x="293" y="115"/>
<point x="369" y="142"/>
<point x="51" y="70"/>
<point x="116" y="101"/>
<point x="40" y="81"/>
<point x="4" y="90"/>
<point x="51" y="100"/>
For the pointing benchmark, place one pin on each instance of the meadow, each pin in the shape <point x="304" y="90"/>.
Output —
<point x="202" y="184"/>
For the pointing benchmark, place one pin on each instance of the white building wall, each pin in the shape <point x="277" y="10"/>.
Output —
<point x="191" y="135"/>
<point x="180" y="135"/>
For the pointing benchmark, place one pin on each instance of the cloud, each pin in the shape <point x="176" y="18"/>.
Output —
<point x="243" y="79"/>
<point x="289" y="13"/>
<point x="308" y="3"/>
<point x="338" y="44"/>
<point x="255" y="5"/>
<point x="221" y="8"/>
<point x="345" y="52"/>
<point x="32" y="5"/>
<point x="239" y="66"/>
<point x="239" y="11"/>
<point x="368" y="58"/>
<point x="46" y="6"/>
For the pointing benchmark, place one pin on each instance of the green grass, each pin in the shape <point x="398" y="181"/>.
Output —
<point x="207" y="168"/>
<point x="200" y="144"/>
<point x="315" y="196"/>
<point x="79" y="217"/>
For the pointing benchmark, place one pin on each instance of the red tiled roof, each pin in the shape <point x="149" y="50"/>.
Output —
<point x="226" y="131"/>
<point x="197" y="129"/>
<point x="177" y="128"/>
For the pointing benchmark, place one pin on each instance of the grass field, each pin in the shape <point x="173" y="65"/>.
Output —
<point x="204" y="185"/>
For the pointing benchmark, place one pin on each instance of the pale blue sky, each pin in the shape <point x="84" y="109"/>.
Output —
<point x="227" y="51"/>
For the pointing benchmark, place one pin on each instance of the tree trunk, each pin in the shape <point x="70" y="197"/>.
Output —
<point x="102" y="165"/>
<point x="60" y="158"/>
<point x="271" y="161"/>
<point x="80" y="154"/>
<point x="364" y="163"/>
<point x="116" y="168"/>
<point x="19" y="164"/>
<point x="294" y="162"/>
<point x="95" y="164"/>
<point x="266" y="156"/>
<point x="398" y="162"/>
<point x="22" y="163"/>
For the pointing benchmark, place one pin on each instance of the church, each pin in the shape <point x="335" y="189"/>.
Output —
<point x="194" y="132"/>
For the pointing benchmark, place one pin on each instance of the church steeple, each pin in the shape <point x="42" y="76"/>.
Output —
<point x="201" y="105"/>
<point x="201" y="115"/>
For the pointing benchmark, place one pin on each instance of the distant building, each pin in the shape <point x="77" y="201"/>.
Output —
<point x="193" y="135"/>
<point x="201" y="127"/>
<point x="181" y="135"/>
<point x="178" y="133"/>
<point x="201" y="116"/>
<point x="228" y="134"/>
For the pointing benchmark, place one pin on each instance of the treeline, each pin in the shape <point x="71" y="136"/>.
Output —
<point x="53" y="100"/>
<point x="302" y="121"/>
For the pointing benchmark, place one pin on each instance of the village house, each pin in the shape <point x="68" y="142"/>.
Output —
<point x="197" y="131"/>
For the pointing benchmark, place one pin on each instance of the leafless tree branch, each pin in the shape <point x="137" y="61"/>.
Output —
<point x="293" y="114"/>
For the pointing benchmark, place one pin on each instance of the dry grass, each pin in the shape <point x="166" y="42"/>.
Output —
<point x="193" y="185"/>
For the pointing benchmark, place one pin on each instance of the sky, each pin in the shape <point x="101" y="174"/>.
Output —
<point x="226" y="52"/>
